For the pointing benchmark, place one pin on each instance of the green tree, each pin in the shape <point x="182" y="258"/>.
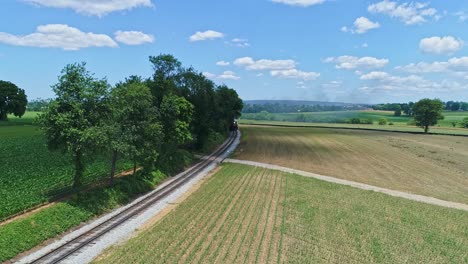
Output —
<point x="397" y="110"/>
<point x="133" y="128"/>
<point x="13" y="100"/>
<point x="74" y="121"/>
<point x="427" y="113"/>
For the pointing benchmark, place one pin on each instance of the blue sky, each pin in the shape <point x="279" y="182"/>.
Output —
<point x="337" y="50"/>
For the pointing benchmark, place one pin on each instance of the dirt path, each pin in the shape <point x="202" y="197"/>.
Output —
<point x="410" y="196"/>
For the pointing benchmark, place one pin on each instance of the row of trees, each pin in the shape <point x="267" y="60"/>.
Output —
<point x="152" y="121"/>
<point x="407" y="108"/>
<point x="294" y="108"/>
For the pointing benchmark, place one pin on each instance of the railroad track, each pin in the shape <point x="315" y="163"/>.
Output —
<point x="71" y="247"/>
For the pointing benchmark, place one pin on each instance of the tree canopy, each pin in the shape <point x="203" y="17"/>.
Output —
<point x="427" y="113"/>
<point x="13" y="100"/>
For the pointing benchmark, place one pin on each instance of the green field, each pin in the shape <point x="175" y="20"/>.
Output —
<point x="245" y="214"/>
<point x="339" y="119"/>
<point x="30" y="174"/>
<point x="429" y="165"/>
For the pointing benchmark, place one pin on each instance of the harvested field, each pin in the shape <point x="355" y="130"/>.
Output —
<point x="246" y="214"/>
<point x="422" y="164"/>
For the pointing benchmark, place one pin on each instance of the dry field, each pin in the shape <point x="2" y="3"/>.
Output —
<point x="429" y="165"/>
<point x="245" y="214"/>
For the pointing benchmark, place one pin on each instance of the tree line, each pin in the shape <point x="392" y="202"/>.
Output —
<point x="154" y="122"/>
<point x="292" y="108"/>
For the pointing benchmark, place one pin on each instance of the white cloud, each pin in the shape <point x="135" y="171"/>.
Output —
<point x="302" y="3"/>
<point x="223" y="63"/>
<point x="462" y="16"/>
<point x="385" y="82"/>
<point x="361" y="26"/>
<point x="454" y="65"/>
<point x="206" y="35"/>
<point x="227" y="75"/>
<point x="440" y="45"/>
<point x="365" y="45"/>
<point x="238" y="42"/>
<point x="93" y="7"/>
<point x="133" y="37"/>
<point x="58" y="36"/>
<point x="295" y="74"/>
<point x="409" y="12"/>
<point x="250" y="64"/>
<point x="351" y="62"/>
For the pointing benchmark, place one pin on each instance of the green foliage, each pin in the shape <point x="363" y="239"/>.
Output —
<point x="427" y="113"/>
<point x="397" y="111"/>
<point x="24" y="234"/>
<point x="464" y="123"/>
<point x="13" y="100"/>
<point x="38" y="105"/>
<point x="74" y="120"/>
<point x="383" y="121"/>
<point x="133" y="127"/>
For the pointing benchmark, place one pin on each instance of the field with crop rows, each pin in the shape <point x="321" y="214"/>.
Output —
<point x="245" y="214"/>
<point x="423" y="164"/>
<point x="30" y="174"/>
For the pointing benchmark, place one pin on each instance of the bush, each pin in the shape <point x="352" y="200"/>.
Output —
<point x="464" y="123"/>
<point x="390" y="124"/>
<point x="383" y="121"/>
<point x="354" y="121"/>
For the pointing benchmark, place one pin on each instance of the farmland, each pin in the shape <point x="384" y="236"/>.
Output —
<point x="428" y="165"/>
<point x="340" y="118"/>
<point x="30" y="173"/>
<point x="245" y="214"/>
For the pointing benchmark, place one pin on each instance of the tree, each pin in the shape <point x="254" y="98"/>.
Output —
<point x="427" y="113"/>
<point x="397" y="110"/>
<point x="73" y="123"/>
<point x="133" y="127"/>
<point x="13" y="100"/>
<point x="455" y="106"/>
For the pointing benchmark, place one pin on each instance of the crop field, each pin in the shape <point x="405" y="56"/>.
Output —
<point x="422" y="164"/>
<point x="29" y="173"/>
<point x="339" y="118"/>
<point x="245" y="214"/>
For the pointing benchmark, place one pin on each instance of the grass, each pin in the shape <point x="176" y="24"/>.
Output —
<point x="30" y="174"/>
<point x="28" y="232"/>
<point x="428" y="165"/>
<point x="339" y="119"/>
<point x="245" y="214"/>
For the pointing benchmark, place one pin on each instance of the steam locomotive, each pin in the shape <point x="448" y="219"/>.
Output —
<point x="234" y="126"/>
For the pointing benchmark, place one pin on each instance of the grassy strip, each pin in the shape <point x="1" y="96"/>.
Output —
<point x="26" y="233"/>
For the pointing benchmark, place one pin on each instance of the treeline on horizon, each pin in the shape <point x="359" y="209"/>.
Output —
<point x="155" y="122"/>
<point x="404" y="108"/>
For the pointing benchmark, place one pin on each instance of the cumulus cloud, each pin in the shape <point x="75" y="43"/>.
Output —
<point x="227" y="75"/>
<point x="133" y="37"/>
<point x="223" y="63"/>
<point x="352" y="63"/>
<point x="410" y="12"/>
<point x="206" y="35"/>
<point x="454" y="65"/>
<point x="382" y="81"/>
<point x="93" y="7"/>
<point x="58" y="36"/>
<point x="302" y="3"/>
<point x="361" y="26"/>
<point x="440" y="45"/>
<point x="264" y="64"/>
<point x="295" y="74"/>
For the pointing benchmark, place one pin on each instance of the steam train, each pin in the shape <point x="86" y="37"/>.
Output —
<point x="234" y="126"/>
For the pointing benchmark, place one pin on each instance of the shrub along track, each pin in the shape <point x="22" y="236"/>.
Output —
<point x="64" y="251"/>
